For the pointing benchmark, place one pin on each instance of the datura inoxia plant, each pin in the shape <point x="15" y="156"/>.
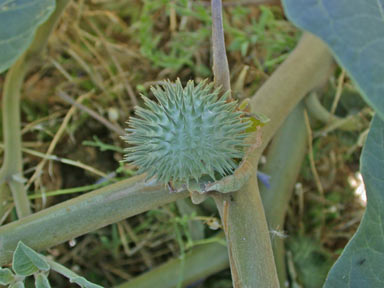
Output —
<point x="188" y="135"/>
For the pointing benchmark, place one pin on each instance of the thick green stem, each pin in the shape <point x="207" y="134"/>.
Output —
<point x="237" y="220"/>
<point x="12" y="169"/>
<point x="249" y="246"/>
<point x="197" y="264"/>
<point x="306" y="68"/>
<point x="84" y="214"/>
<point x="40" y="41"/>
<point x="242" y="212"/>
<point x="284" y="159"/>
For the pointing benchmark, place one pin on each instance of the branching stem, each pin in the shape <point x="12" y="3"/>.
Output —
<point x="317" y="111"/>
<point x="12" y="170"/>
<point x="84" y="214"/>
<point x="250" y="252"/>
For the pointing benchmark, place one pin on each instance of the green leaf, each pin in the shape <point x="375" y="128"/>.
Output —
<point x="18" y="22"/>
<point x="41" y="281"/>
<point x="354" y="30"/>
<point x="6" y="276"/>
<point x="362" y="261"/>
<point x="26" y="261"/>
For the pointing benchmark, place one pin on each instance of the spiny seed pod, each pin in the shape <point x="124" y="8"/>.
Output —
<point x="188" y="134"/>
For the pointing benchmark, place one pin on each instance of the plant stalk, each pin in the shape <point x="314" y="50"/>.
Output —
<point x="200" y="262"/>
<point x="305" y="69"/>
<point x="84" y="214"/>
<point x="12" y="170"/>
<point x="315" y="109"/>
<point x="284" y="159"/>
<point x="249" y="246"/>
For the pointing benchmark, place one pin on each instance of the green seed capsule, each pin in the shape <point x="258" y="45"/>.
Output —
<point x="188" y="134"/>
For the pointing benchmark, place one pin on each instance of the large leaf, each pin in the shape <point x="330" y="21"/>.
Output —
<point x="18" y="22"/>
<point x="362" y="261"/>
<point x="354" y="30"/>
